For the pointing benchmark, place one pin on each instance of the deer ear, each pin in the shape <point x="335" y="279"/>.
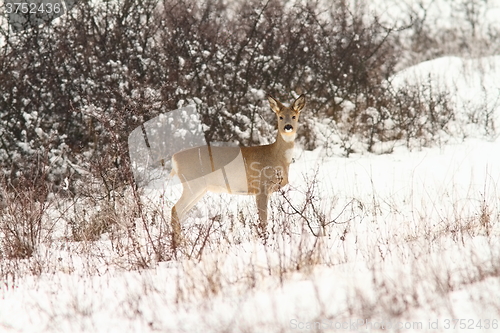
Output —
<point x="299" y="103"/>
<point x="274" y="104"/>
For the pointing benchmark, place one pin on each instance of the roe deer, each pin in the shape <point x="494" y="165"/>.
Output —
<point x="258" y="170"/>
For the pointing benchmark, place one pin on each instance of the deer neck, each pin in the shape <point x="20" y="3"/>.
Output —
<point x="284" y="147"/>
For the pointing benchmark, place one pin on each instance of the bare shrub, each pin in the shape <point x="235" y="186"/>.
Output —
<point x="419" y="113"/>
<point x="23" y="214"/>
<point x="118" y="65"/>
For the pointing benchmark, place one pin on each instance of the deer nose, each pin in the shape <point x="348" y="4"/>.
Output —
<point x="288" y="128"/>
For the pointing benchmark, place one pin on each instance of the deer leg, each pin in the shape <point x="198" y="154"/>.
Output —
<point x="187" y="200"/>
<point x="262" y="199"/>
<point x="176" y="229"/>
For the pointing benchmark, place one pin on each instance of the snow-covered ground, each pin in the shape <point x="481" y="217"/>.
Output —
<point x="411" y="242"/>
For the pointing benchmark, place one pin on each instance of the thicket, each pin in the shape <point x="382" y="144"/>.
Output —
<point x="74" y="88"/>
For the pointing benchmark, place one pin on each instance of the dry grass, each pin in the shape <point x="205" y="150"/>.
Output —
<point x="368" y="264"/>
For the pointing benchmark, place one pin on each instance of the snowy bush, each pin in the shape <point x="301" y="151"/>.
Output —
<point x="77" y="86"/>
<point x="74" y="88"/>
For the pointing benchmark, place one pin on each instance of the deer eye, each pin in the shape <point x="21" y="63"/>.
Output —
<point x="293" y="117"/>
<point x="281" y="118"/>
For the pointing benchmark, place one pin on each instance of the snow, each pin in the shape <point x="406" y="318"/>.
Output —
<point x="472" y="84"/>
<point x="413" y="251"/>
